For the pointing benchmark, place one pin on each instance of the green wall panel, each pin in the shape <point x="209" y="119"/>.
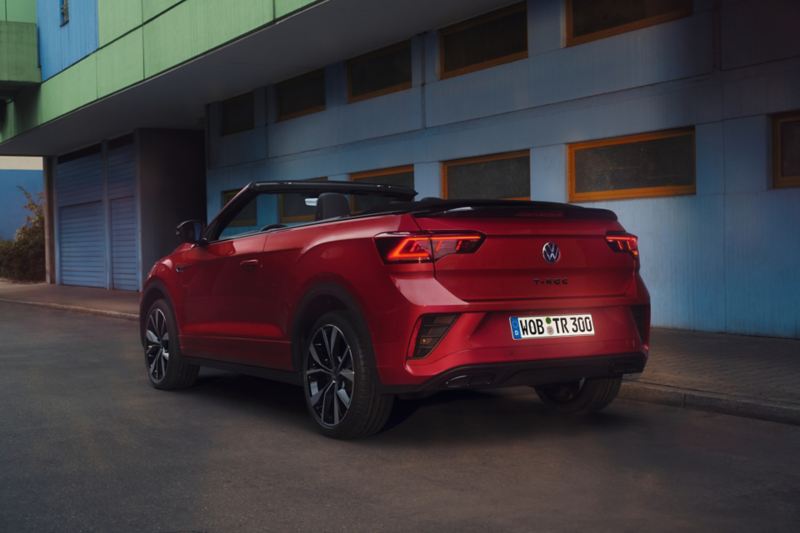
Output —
<point x="151" y="8"/>
<point x="196" y="26"/>
<point x="176" y="31"/>
<point x="284" y="7"/>
<point x="70" y="89"/>
<point x="18" y="10"/>
<point x="117" y="17"/>
<point x="19" y="62"/>
<point x="120" y="64"/>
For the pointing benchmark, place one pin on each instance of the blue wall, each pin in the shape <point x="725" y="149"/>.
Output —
<point x="12" y="201"/>
<point x="724" y="259"/>
<point x="61" y="46"/>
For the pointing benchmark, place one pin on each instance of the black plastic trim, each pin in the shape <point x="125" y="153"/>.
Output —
<point x="540" y="372"/>
<point x="284" y="376"/>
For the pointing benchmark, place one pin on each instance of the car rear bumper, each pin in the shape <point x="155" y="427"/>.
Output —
<point x="537" y="372"/>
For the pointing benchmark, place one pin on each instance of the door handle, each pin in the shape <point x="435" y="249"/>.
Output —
<point x="250" y="264"/>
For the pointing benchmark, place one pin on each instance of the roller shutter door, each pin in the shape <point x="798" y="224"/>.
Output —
<point x="81" y="221"/>
<point x="121" y="165"/>
<point x="124" y="260"/>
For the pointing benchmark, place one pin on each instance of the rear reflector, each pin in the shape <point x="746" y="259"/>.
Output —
<point x="425" y="247"/>
<point x="431" y="330"/>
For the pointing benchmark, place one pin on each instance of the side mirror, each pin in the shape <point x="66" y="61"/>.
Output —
<point x="190" y="231"/>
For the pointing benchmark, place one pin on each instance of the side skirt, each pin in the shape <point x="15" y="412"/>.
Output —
<point x="293" y="378"/>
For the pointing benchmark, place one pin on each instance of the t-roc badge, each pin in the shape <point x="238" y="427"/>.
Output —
<point x="551" y="252"/>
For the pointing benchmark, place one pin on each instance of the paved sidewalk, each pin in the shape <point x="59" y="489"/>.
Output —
<point x="116" y="304"/>
<point x="747" y="376"/>
<point x="735" y="374"/>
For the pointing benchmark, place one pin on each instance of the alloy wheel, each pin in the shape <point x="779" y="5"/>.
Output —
<point x="329" y="375"/>
<point x="157" y="350"/>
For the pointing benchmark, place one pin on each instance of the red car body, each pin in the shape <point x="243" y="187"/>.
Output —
<point x="434" y="286"/>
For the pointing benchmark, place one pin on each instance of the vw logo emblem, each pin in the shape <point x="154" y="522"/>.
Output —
<point x="551" y="252"/>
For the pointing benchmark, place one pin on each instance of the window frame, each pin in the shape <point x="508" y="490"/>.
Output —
<point x="404" y="86"/>
<point x="638" y="192"/>
<point x="311" y="110"/>
<point x="476" y="21"/>
<point x="780" y="181"/>
<point x="483" y="159"/>
<point x="366" y="174"/>
<point x="571" y="40"/>
<point x="388" y="171"/>
<point x="63" y="9"/>
<point x="282" y="218"/>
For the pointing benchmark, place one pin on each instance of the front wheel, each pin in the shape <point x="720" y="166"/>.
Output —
<point x="583" y="396"/>
<point x="166" y="368"/>
<point x="340" y="380"/>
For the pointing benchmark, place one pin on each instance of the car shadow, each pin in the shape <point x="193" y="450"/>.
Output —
<point x="446" y="417"/>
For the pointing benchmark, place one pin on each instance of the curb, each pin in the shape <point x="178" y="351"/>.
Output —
<point x="75" y="308"/>
<point x="636" y="390"/>
<point x="710" y="401"/>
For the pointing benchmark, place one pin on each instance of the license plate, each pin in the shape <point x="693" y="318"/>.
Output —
<point x="537" y="327"/>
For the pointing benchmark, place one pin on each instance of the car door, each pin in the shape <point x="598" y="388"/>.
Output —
<point x="225" y="295"/>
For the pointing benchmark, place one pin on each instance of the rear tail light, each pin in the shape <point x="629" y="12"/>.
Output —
<point x="624" y="243"/>
<point x="432" y="329"/>
<point x="425" y="247"/>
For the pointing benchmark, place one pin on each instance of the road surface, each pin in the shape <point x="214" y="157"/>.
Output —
<point x="87" y="445"/>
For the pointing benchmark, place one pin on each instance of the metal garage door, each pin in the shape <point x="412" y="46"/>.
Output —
<point x="81" y="220"/>
<point x="121" y="166"/>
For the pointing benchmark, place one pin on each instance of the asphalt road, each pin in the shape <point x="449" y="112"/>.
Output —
<point x="87" y="445"/>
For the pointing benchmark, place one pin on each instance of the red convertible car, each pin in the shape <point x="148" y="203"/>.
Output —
<point x="358" y="293"/>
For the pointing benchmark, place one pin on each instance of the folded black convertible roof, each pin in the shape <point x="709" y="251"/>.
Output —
<point x="343" y="187"/>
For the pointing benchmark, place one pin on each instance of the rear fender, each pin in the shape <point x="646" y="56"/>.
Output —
<point x="338" y="298"/>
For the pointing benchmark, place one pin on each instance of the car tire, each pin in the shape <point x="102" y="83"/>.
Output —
<point x="580" y="397"/>
<point x="340" y="381"/>
<point x="165" y="366"/>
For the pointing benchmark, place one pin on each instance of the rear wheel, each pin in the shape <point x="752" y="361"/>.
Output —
<point x="166" y="368"/>
<point x="578" y="397"/>
<point x="340" y="381"/>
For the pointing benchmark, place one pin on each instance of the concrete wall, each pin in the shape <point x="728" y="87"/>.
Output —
<point x="14" y="173"/>
<point x="723" y="259"/>
<point x="171" y="177"/>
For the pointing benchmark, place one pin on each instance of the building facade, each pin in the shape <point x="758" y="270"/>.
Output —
<point x="682" y="117"/>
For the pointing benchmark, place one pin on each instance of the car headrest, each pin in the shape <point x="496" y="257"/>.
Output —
<point x="332" y="205"/>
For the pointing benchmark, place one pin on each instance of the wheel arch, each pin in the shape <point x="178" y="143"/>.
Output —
<point x="155" y="290"/>
<point x="322" y="298"/>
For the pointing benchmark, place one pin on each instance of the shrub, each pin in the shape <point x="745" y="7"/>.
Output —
<point x="23" y="258"/>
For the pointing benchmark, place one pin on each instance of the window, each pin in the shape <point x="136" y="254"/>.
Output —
<point x="380" y="72"/>
<point x="588" y="20"/>
<point x="237" y="114"/>
<point x="492" y="39"/>
<point x="786" y="149"/>
<point x="400" y="176"/>
<point x="293" y="207"/>
<point x="64" y="11"/>
<point x="650" y="164"/>
<point x="301" y="95"/>
<point x="247" y="217"/>
<point x="499" y="176"/>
